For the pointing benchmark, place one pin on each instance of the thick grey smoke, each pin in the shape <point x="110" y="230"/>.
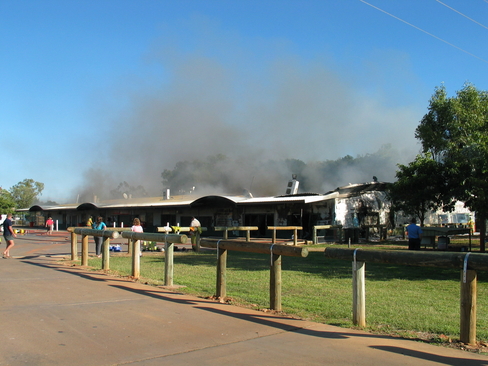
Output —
<point x="218" y="99"/>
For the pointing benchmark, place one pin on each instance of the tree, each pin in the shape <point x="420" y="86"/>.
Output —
<point x="419" y="188"/>
<point x="455" y="131"/>
<point x="7" y="204"/>
<point x="124" y="189"/>
<point x="25" y="193"/>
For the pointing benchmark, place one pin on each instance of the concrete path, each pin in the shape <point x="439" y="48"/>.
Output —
<point x="51" y="314"/>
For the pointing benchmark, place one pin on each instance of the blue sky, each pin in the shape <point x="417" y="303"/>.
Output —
<point x="97" y="92"/>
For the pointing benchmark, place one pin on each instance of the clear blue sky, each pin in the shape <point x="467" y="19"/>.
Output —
<point x="135" y="86"/>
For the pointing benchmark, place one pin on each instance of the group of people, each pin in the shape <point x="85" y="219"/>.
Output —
<point x="100" y="225"/>
<point x="413" y="231"/>
<point x="195" y="227"/>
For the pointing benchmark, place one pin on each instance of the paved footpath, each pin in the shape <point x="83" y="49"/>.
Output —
<point x="51" y="314"/>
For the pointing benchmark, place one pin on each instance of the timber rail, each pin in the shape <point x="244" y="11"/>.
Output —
<point x="469" y="263"/>
<point x="226" y="230"/>
<point x="274" y="250"/>
<point x="134" y="247"/>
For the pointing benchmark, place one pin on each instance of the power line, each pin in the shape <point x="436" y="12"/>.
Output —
<point x="474" y="21"/>
<point x="424" y="31"/>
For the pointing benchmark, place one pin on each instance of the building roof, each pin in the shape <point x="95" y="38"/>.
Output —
<point x="215" y="200"/>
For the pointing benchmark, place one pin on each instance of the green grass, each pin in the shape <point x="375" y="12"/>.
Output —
<point x="403" y="300"/>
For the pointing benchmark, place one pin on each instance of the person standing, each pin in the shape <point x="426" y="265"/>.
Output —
<point x="137" y="228"/>
<point x="50" y="226"/>
<point x="9" y="235"/>
<point x="99" y="225"/>
<point x="414" y="233"/>
<point x="195" y="230"/>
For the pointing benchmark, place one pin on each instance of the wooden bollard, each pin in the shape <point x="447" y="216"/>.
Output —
<point x="359" y="294"/>
<point x="85" y="233"/>
<point x="469" y="262"/>
<point x="275" y="250"/>
<point x="84" y="250"/>
<point x="74" y="247"/>
<point x="168" y="239"/>
<point x="467" y="333"/>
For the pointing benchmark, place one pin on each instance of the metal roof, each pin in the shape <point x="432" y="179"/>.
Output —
<point x="216" y="200"/>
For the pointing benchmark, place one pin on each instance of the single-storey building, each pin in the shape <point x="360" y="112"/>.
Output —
<point x="355" y="206"/>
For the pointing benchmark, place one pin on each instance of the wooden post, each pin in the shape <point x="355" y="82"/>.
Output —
<point x="197" y="241"/>
<point x="74" y="246"/>
<point x="358" y="294"/>
<point x="468" y="307"/>
<point x="129" y="246"/>
<point x="106" y="254"/>
<point x="273" y="239"/>
<point x="136" y="258"/>
<point x="275" y="282"/>
<point x="221" y="291"/>
<point x="248" y="235"/>
<point x="295" y="236"/>
<point x="168" y="263"/>
<point x="84" y="250"/>
<point x="314" y="235"/>
<point x="226" y="234"/>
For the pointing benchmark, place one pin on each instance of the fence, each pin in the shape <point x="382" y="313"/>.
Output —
<point x="195" y="238"/>
<point x="226" y="230"/>
<point x="167" y="239"/>
<point x="292" y="228"/>
<point x="274" y="250"/>
<point x="134" y="238"/>
<point x="468" y="262"/>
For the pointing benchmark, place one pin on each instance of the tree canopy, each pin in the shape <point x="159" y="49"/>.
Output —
<point x="419" y="188"/>
<point x="7" y="204"/>
<point x="454" y="134"/>
<point x="25" y="193"/>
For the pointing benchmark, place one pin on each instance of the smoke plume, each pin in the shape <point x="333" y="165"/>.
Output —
<point x="220" y="98"/>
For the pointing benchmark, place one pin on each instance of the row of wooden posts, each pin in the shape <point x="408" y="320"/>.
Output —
<point x="468" y="262"/>
<point x="222" y="245"/>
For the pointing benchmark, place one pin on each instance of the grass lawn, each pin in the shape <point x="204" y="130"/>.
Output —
<point x="409" y="301"/>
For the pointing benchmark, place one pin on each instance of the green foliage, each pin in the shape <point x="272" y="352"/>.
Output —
<point x="455" y="132"/>
<point x="25" y="193"/>
<point x="7" y="204"/>
<point x="420" y="187"/>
